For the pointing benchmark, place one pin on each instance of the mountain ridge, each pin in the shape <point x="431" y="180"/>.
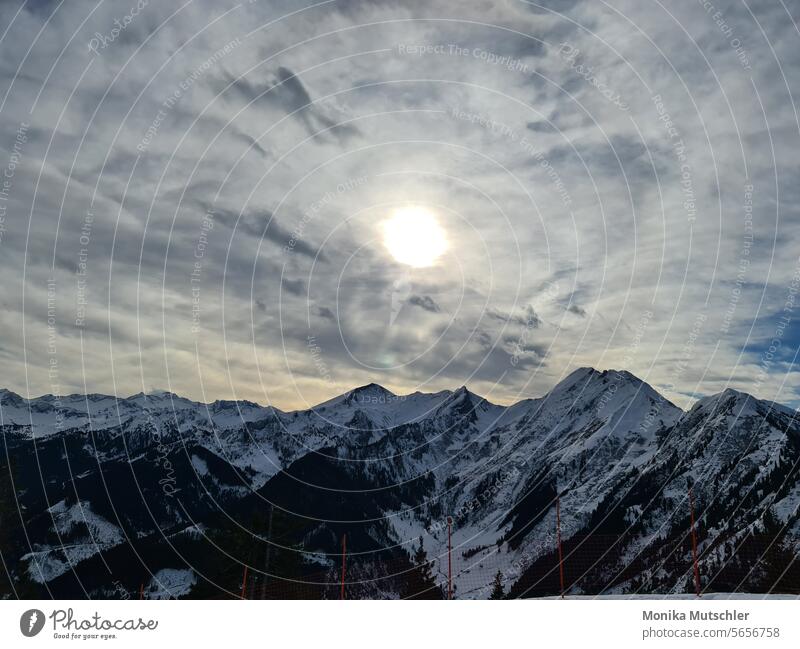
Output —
<point x="386" y="470"/>
<point x="158" y="394"/>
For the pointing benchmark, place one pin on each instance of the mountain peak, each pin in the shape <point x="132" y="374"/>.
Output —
<point x="743" y="402"/>
<point x="729" y="393"/>
<point x="463" y="405"/>
<point x="372" y="387"/>
<point x="576" y="377"/>
<point x="153" y="394"/>
<point x="463" y="395"/>
<point x="583" y="374"/>
<point x="371" y="393"/>
<point x="718" y="398"/>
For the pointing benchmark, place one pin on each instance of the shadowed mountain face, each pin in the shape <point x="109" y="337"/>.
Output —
<point x="102" y="497"/>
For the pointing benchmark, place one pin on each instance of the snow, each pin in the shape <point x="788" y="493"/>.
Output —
<point x="383" y="408"/>
<point x="588" y="435"/>
<point x="683" y="596"/>
<point x="67" y="519"/>
<point x="787" y="507"/>
<point x="170" y="583"/>
<point x="200" y="465"/>
<point x="83" y="534"/>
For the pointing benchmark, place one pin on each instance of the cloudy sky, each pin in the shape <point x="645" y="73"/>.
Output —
<point x="194" y="196"/>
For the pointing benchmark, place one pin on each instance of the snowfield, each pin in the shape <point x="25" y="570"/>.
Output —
<point x="387" y="470"/>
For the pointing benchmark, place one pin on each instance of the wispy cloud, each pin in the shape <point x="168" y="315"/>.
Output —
<point x="580" y="233"/>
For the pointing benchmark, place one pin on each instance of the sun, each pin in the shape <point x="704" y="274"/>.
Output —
<point x="414" y="237"/>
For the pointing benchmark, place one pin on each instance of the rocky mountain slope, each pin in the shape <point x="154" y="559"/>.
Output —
<point x="106" y="497"/>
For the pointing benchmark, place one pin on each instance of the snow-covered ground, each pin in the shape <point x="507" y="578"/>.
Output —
<point x="705" y="597"/>
<point x="170" y="583"/>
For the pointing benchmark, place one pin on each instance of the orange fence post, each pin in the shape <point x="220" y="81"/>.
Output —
<point x="558" y="537"/>
<point x="449" y="557"/>
<point x="244" y="584"/>
<point x="344" y="558"/>
<point x="694" y="545"/>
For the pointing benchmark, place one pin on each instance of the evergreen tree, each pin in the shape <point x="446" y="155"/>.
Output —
<point x="421" y="559"/>
<point x="497" y="587"/>
<point x="11" y="544"/>
<point x="7" y="513"/>
<point x="421" y="583"/>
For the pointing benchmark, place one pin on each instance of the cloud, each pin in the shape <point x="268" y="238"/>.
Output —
<point x="264" y="226"/>
<point x="325" y="313"/>
<point x="294" y="286"/>
<point x="288" y="93"/>
<point x="425" y="302"/>
<point x="309" y="132"/>
<point x="529" y="319"/>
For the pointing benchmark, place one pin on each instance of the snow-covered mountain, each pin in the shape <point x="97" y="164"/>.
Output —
<point x="111" y="493"/>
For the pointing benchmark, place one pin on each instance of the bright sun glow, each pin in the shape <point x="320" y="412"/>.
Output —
<point x="414" y="237"/>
